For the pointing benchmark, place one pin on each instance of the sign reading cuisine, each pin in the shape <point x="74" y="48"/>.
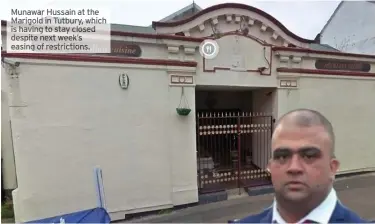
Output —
<point x="125" y="49"/>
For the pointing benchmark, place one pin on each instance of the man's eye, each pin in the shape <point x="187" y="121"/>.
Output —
<point x="280" y="157"/>
<point x="309" y="155"/>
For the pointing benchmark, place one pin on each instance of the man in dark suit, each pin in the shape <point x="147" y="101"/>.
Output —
<point x="303" y="168"/>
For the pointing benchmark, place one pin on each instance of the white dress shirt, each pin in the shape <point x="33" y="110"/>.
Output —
<point x="320" y="214"/>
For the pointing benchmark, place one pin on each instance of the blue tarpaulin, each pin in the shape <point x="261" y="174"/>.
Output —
<point x="96" y="215"/>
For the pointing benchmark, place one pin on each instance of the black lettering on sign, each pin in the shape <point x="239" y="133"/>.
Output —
<point x="345" y="65"/>
<point x="121" y="48"/>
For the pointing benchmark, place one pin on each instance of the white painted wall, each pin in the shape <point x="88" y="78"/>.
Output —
<point x="77" y="117"/>
<point x="352" y="28"/>
<point x="235" y="57"/>
<point x="349" y="104"/>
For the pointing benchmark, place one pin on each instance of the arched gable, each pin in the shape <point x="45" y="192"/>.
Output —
<point x="229" y="17"/>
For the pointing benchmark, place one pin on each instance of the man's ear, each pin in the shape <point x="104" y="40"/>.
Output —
<point x="335" y="165"/>
<point x="269" y="166"/>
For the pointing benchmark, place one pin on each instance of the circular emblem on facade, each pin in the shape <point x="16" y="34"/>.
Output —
<point x="123" y="81"/>
<point x="182" y="79"/>
<point x="209" y="49"/>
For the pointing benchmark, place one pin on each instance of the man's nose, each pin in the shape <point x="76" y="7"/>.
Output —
<point x="295" y="165"/>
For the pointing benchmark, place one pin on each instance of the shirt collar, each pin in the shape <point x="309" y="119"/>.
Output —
<point x="320" y="214"/>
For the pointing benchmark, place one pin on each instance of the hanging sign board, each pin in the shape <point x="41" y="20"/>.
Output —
<point x="344" y="65"/>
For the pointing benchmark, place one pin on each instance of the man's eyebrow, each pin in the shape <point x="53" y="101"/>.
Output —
<point x="282" y="151"/>
<point x="300" y="150"/>
<point x="309" y="148"/>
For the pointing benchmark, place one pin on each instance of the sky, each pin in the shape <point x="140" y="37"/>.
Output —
<point x="304" y="18"/>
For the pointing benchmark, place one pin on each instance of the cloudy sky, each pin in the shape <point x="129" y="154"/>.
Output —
<point x="304" y="18"/>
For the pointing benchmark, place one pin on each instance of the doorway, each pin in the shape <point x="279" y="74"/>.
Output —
<point x="234" y="128"/>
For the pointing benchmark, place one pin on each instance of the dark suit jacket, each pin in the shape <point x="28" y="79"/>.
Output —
<point x="341" y="214"/>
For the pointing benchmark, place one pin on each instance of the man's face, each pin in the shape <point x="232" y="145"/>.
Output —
<point x="301" y="165"/>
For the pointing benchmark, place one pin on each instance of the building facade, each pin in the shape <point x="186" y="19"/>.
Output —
<point x="165" y="124"/>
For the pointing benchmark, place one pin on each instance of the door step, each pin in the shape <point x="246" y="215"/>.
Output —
<point x="234" y="194"/>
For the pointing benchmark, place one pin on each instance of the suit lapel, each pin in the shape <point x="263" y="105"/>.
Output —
<point x="267" y="218"/>
<point x="338" y="215"/>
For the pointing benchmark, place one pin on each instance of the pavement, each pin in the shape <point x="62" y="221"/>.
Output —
<point x="356" y="192"/>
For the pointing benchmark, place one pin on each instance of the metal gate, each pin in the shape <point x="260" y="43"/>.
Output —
<point x="233" y="149"/>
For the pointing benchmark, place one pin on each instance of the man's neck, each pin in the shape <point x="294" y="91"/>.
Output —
<point x="292" y="211"/>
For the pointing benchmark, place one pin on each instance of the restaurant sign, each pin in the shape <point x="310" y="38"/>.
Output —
<point x="124" y="49"/>
<point x="345" y="65"/>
